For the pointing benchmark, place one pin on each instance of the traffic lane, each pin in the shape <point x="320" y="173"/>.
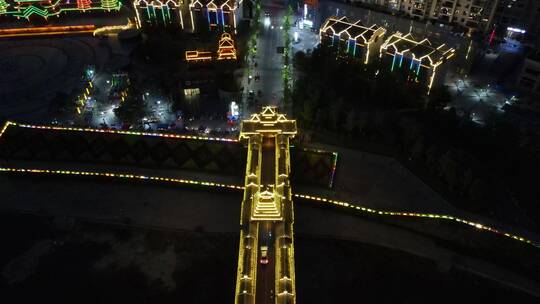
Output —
<point x="270" y="66"/>
<point x="268" y="170"/>
<point x="266" y="272"/>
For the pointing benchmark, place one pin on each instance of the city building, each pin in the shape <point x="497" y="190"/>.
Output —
<point x="517" y="20"/>
<point x="421" y="61"/>
<point x="159" y="12"/>
<point x="46" y="8"/>
<point x="215" y="14"/>
<point x="468" y="14"/>
<point x="352" y="39"/>
<point x="529" y="78"/>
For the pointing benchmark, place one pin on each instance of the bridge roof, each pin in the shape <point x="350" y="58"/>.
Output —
<point x="269" y="121"/>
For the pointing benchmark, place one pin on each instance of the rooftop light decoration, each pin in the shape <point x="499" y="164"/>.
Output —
<point x="355" y="35"/>
<point x="45" y="9"/>
<point x="421" y="54"/>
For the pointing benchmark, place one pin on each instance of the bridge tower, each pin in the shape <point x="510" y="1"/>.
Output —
<point x="266" y="253"/>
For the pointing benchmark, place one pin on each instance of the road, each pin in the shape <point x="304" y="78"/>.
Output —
<point x="265" y="272"/>
<point x="267" y="62"/>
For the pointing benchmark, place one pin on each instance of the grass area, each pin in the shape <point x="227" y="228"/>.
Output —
<point x="228" y="158"/>
<point x="102" y="263"/>
<point x="506" y="253"/>
<point x="332" y="271"/>
<point x="97" y="263"/>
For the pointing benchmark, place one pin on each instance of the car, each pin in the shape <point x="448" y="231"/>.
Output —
<point x="264" y="255"/>
<point x="267" y="14"/>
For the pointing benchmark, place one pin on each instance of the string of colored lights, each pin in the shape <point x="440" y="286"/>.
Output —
<point x="418" y="215"/>
<point x="332" y="202"/>
<point x="110" y="131"/>
<point x="122" y="176"/>
<point x="46" y="30"/>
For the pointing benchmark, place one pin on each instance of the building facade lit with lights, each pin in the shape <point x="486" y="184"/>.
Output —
<point x="419" y="59"/>
<point x="27" y="9"/>
<point x="517" y="20"/>
<point x="190" y="15"/>
<point x="352" y="39"/>
<point x="159" y="12"/>
<point x="215" y="14"/>
<point x="466" y="13"/>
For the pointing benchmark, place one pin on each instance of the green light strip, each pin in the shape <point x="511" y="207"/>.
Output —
<point x="55" y="9"/>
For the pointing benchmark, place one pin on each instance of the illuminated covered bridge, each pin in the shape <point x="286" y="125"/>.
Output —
<point x="266" y="260"/>
<point x="266" y="254"/>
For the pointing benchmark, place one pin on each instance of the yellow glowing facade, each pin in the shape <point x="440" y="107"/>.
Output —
<point x="418" y="56"/>
<point x="267" y="207"/>
<point x="226" y="49"/>
<point x="198" y="56"/>
<point x="352" y="39"/>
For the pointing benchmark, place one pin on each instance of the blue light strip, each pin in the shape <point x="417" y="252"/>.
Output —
<point x="222" y="18"/>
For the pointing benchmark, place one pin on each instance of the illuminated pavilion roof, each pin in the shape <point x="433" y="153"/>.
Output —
<point x="342" y="26"/>
<point x="418" y="50"/>
<point x="268" y="121"/>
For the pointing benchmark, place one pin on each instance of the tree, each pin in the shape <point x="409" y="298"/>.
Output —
<point x="299" y="60"/>
<point x="439" y="98"/>
<point x="448" y="170"/>
<point x="477" y="191"/>
<point x="133" y="109"/>
<point x="63" y="103"/>
<point x="417" y="150"/>
<point x="350" y="122"/>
